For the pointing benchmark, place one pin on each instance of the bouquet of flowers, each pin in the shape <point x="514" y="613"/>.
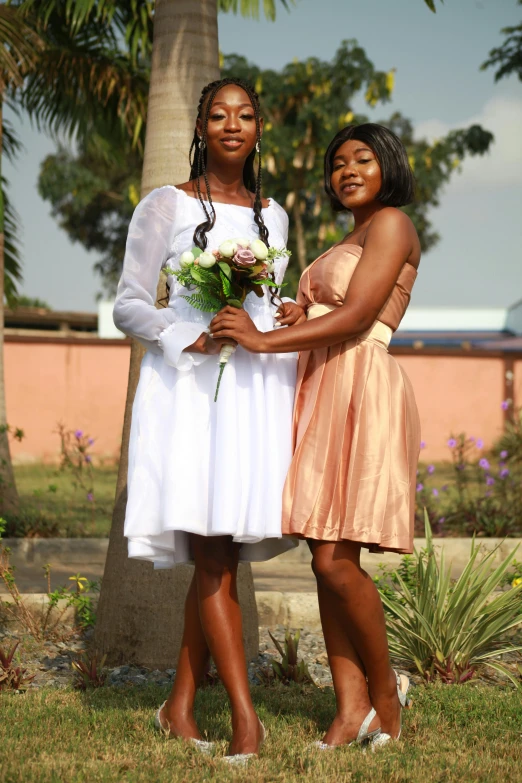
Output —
<point x="226" y="276"/>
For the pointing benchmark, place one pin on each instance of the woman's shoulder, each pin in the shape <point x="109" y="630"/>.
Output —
<point x="280" y="214"/>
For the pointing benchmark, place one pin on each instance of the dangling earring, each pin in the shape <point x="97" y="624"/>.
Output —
<point x="201" y="144"/>
<point x="258" y="145"/>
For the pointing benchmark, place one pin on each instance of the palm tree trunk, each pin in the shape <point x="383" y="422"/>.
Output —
<point x="9" y="501"/>
<point x="299" y="233"/>
<point x="140" y="612"/>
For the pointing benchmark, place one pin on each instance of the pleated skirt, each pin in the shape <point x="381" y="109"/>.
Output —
<point x="356" y="445"/>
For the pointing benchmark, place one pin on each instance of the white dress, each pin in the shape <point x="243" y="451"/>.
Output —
<point x="195" y="465"/>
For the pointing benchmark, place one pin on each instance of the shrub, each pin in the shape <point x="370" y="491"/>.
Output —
<point x="483" y="496"/>
<point x="13" y="677"/>
<point x="447" y="629"/>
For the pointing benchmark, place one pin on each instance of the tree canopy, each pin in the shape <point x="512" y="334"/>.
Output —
<point x="304" y="104"/>
<point x="507" y="58"/>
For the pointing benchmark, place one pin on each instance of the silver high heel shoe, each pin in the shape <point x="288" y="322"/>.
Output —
<point x="201" y="745"/>
<point x="403" y="684"/>
<point x="241" y="759"/>
<point x="363" y="736"/>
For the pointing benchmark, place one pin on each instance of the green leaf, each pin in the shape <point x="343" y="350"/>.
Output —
<point x="225" y="268"/>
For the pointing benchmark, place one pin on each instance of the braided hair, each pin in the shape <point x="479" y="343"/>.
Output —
<point x="198" y="161"/>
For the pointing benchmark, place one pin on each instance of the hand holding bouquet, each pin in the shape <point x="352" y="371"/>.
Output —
<point x="226" y="276"/>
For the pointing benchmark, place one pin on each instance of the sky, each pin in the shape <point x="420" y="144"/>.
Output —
<point x="438" y="85"/>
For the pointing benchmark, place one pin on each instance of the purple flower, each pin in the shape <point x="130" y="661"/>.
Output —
<point x="504" y="473"/>
<point x="480" y="443"/>
<point x="504" y="405"/>
<point x="444" y="488"/>
<point x="504" y="455"/>
<point x="435" y="493"/>
<point x="78" y="434"/>
<point x="90" y="497"/>
<point x="452" y="443"/>
<point x="244" y="258"/>
<point x="420" y="487"/>
<point x="90" y="441"/>
<point x="88" y="458"/>
<point x="423" y="444"/>
<point x="460" y="466"/>
<point x="484" y="464"/>
<point x="487" y="495"/>
<point x="441" y="520"/>
<point x="490" y="481"/>
<point x="431" y="469"/>
<point x="472" y="439"/>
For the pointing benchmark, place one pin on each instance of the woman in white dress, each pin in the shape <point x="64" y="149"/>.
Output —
<point x="205" y="478"/>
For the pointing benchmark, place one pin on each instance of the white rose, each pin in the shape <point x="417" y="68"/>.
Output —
<point x="245" y="243"/>
<point x="206" y="260"/>
<point x="186" y="259"/>
<point x="259" y="249"/>
<point x="227" y="249"/>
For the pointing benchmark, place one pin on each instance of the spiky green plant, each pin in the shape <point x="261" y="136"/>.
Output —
<point x="447" y="629"/>
<point x="290" y="668"/>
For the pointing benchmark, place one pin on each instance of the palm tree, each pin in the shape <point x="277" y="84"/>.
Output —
<point x="140" y="613"/>
<point x="19" y="50"/>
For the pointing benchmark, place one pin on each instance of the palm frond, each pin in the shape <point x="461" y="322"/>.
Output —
<point x="12" y="248"/>
<point x="81" y="84"/>
<point x="20" y="46"/>
<point x="250" y="8"/>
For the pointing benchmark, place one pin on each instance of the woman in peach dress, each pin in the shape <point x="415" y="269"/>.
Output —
<point x="351" y="483"/>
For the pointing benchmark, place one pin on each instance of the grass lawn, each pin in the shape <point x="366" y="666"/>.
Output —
<point x="453" y="733"/>
<point x="46" y="491"/>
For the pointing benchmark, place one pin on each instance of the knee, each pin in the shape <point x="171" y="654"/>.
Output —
<point x="214" y="561"/>
<point x="334" y="575"/>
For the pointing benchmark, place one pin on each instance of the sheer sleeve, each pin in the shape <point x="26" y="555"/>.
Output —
<point x="150" y="236"/>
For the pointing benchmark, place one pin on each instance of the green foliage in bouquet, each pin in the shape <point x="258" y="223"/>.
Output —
<point x="219" y="282"/>
<point x="447" y="629"/>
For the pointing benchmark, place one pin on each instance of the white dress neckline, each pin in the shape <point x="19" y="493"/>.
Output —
<point x="222" y="203"/>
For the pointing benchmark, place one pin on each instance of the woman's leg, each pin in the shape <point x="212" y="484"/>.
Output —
<point x="192" y="663"/>
<point x="216" y="560"/>
<point x="349" y="678"/>
<point x="355" y="634"/>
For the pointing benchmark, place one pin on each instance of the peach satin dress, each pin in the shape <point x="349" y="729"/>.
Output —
<point x="356" y="426"/>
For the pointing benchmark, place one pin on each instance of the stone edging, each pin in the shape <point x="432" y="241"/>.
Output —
<point x="72" y="551"/>
<point x="292" y="610"/>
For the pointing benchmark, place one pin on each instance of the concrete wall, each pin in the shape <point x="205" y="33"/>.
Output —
<point x="82" y="382"/>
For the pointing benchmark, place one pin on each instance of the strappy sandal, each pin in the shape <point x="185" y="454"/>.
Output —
<point x="403" y="684"/>
<point x="242" y="759"/>
<point x="201" y="745"/>
<point x="363" y="736"/>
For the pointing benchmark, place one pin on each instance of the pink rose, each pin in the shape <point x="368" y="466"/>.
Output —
<point x="244" y="258"/>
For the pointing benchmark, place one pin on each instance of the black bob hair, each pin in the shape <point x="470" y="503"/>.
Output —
<point x="398" y="183"/>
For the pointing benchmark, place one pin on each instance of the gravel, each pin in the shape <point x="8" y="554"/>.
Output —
<point x="51" y="661"/>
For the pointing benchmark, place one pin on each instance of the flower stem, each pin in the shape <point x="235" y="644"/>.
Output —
<point x="221" y="369"/>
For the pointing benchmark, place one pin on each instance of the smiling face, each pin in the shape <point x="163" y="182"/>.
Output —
<point x="356" y="175"/>
<point x="231" y="129"/>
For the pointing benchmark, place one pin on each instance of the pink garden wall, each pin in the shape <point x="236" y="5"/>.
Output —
<point x="82" y="383"/>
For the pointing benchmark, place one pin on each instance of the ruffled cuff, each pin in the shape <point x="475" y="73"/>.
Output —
<point x="175" y="338"/>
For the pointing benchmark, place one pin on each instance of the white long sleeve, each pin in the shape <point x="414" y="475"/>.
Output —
<point x="161" y="331"/>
